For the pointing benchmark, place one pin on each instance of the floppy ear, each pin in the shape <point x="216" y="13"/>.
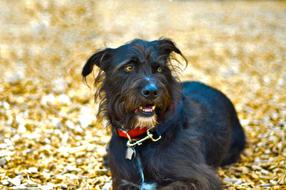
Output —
<point x="98" y="59"/>
<point x="167" y="46"/>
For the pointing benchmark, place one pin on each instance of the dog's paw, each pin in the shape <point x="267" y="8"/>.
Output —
<point x="178" y="185"/>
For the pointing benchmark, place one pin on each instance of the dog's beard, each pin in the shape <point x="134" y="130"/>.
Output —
<point x="148" y="122"/>
<point x="142" y="114"/>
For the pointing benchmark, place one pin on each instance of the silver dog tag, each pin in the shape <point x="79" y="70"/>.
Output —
<point x="130" y="153"/>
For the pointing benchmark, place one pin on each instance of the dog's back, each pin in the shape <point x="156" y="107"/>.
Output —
<point x="212" y="113"/>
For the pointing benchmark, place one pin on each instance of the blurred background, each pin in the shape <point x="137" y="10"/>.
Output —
<point x="50" y="137"/>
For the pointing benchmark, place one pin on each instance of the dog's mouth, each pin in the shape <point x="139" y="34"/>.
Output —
<point x="146" y="111"/>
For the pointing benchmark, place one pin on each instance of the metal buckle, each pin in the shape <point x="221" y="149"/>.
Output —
<point x="151" y="135"/>
<point x="131" y="143"/>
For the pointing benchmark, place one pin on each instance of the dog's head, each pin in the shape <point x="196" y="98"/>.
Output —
<point x="137" y="81"/>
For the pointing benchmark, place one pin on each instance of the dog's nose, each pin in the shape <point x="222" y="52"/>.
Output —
<point x="150" y="91"/>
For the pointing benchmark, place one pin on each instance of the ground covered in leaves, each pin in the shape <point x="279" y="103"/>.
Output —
<point x="50" y="137"/>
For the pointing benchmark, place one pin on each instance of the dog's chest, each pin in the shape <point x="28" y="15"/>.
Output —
<point x="155" y="163"/>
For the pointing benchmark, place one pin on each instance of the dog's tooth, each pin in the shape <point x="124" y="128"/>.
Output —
<point x="153" y="108"/>
<point x="147" y="110"/>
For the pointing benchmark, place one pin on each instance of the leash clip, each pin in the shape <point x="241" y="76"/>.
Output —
<point x="151" y="135"/>
<point x="131" y="143"/>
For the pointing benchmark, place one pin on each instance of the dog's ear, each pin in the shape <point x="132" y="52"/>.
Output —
<point x="167" y="46"/>
<point x="99" y="59"/>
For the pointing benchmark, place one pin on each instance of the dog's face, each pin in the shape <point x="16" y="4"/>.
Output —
<point x="138" y="85"/>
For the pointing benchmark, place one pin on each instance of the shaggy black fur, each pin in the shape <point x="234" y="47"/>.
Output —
<point x="203" y="128"/>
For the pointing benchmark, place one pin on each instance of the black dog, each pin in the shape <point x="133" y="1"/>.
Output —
<point x="166" y="134"/>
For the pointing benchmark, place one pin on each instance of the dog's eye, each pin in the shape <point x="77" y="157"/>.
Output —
<point x="159" y="69"/>
<point x="128" y="68"/>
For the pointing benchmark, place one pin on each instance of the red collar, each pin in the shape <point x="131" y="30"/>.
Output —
<point x="133" y="133"/>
